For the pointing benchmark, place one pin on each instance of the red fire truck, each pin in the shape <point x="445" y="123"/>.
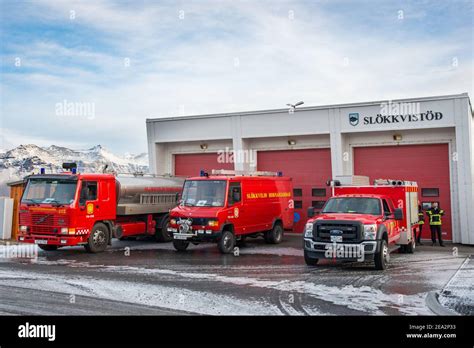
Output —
<point x="363" y="222"/>
<point x="69" y="209"/>
<point x="228" y="206"/>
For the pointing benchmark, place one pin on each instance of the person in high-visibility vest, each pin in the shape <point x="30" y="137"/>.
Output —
<point x="421" y="222"/>
<point x="435" y="214"/>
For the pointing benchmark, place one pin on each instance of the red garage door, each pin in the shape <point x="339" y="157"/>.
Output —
<point x="310" y="169"/>
<point x="191" y="164"/>
<point x="428" y="165"/>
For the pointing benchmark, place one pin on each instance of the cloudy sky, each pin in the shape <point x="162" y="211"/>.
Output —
<point x="81" y="73"/>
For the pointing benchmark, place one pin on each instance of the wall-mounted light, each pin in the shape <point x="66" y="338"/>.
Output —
<point x="203" y="146"/>
<point x="397" y="137"/>
<point x="291" y="142"/>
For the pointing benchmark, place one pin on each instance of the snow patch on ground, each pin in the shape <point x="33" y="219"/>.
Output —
<point x="458" y="294"/>
<point x="141" y="293"/>
<point x="364" y="298"/>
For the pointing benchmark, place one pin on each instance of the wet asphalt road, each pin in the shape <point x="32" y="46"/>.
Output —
<point x="143" y="277"/>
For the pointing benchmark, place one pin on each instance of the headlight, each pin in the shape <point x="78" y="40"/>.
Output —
<point x="173" y="222"/>
<point x="64" y="230"/>
<point x="308" y="230"/>
<point x="370" y="232"/>
<point x="213" y="223"/>
<point x="23" y="228"/>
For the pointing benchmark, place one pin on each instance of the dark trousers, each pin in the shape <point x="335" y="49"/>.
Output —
<point x="418" y="239"/>
<point x="436" y="230"/>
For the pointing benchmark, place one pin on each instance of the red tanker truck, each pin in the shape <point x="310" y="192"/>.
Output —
<point x="69" y="209"/>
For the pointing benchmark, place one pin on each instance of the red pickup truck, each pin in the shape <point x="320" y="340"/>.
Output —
<point x="363" y="222"/>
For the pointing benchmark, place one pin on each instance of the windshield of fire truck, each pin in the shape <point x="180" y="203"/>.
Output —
<point x="49" y="191"/>
<point x="204" y="193"/>
<point x="353" y="205"/>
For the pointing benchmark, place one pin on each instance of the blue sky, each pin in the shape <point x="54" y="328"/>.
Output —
<point x="136" y="60"/>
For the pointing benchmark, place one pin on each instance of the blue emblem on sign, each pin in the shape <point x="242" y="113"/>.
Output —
<point x="354" y="118"/>
<point x="296" y="217"/>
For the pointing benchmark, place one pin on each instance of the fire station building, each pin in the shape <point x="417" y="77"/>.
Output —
<point x="428" y="140"/>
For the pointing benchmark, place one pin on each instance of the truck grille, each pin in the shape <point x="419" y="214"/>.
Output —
<point x="43" y="229"/>
<point x="49" y="220"/>
<point x="200" y="221"/>
<point x="350" y="231"/>
<point x="43" y="223"/>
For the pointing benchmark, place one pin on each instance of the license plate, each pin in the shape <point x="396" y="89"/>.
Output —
<point x="180" y="236"/>
<point x="41" y="241"/>
<point x="336" y="239"/>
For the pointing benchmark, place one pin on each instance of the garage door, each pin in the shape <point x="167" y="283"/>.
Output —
<point x="428" y="165"/>
<point x="310" y="169"/>
<point x="191" y="164"/>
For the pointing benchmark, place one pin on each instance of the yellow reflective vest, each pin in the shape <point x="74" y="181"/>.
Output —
<point x="421" y="218"/>
<point x="435" y="216"/>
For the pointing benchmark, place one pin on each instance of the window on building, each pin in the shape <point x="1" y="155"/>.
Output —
<point x="298" y="204"/>
<point x="318" y="192"/>
<point x="430" y="192"/>
<point x="297" y="192"/>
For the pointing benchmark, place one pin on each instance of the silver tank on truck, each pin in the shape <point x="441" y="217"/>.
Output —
<point x="147" y="194"/>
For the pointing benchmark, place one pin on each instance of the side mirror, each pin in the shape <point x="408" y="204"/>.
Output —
<point x="311" y="212"/>
<point x="398" y="214"/>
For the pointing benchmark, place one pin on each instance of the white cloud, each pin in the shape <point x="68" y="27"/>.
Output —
<point x="241" y="56"/>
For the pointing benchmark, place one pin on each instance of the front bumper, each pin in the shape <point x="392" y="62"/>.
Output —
<point x="362" y="251"/>
<point x="59" y="240"/>
<point x="196" y="235"/>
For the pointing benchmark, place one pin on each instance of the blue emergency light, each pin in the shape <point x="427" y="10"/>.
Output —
<point x="42" y="171"/>
<point x="279" y="173"/>
<point x="203" y="173"/>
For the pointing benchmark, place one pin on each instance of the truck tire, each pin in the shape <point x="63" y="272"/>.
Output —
<point x="382" y="257"/>
<point x="227" y="242"/>
<point x="309" y="260"/>
<point x="410" y="248"/>
<point x="275" y="235"/>
<point x="180" y="245"/>
<point x="48" y="247"/>
<point x="98" y="239"/>
<point x="162" y="235"/>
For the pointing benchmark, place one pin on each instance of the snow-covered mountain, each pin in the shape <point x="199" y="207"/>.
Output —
<point x="27" y="159"/>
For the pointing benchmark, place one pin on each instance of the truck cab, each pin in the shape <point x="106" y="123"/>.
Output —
<point x="61" y="209"/>
<point x="363" y="223"/>
<point x="226" y="208"/>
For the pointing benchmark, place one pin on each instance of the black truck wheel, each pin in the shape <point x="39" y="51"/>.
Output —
<point x="410" y="248"/>
<point x="180" y="245"/>
<point x="48" y="247"/>
<point x="98" y="239"/>
<point x="275" y="235"/>
<point x="161" y="234"/>
<point x="382" y="257"/>
<point x="309" y="260"/>
<point x="226" y="243"/>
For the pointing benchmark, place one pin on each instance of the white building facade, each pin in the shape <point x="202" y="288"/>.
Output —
<point x="428" y="140"/>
